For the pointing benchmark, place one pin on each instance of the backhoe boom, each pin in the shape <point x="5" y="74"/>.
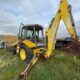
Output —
<point x="64" y="14"/>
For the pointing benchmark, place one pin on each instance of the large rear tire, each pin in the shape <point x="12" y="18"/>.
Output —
<point x="25" y="53"/>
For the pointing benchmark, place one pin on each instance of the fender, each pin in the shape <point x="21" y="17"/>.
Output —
<point x="29" y="43"/>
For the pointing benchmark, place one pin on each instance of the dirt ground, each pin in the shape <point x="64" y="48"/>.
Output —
<point x="73" y="48"/>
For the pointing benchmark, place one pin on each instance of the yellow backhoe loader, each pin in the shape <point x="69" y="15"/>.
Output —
<point x="31" y="44"/>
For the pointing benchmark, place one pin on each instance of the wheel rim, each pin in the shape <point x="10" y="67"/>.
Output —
<point x="22" y="54"/>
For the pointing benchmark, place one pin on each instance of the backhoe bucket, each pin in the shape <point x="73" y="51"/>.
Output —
<point x="73" y="48"/>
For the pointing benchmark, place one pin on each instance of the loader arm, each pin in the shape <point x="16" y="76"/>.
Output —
<point x="64" y="14"/>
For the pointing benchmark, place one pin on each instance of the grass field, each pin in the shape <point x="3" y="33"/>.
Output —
<point x="58" y="67"/>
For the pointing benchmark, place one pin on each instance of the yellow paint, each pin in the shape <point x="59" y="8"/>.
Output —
<point x="64" y="15"/>
<point x="29" y="43"/>
<point x="35" y="60"/>
<point x="51" y="33"/>
<point x="17" y="50"/>
<point x="37" y="50"/>
<point x="79" y="40"/>
<point x="22" y="54"/>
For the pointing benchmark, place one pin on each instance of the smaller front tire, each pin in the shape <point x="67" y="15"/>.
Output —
<point x="24" y="53"/>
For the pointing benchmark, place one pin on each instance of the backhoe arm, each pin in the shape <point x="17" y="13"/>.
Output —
<point x="63" y="13"/>
<point x="66" y="16"/>
<point x="51" y="34"/>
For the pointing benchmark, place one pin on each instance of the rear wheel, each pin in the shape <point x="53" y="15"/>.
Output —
<point x="25" y="53"/>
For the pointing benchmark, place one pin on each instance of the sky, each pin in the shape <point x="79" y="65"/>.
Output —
<point x="14" y="12"/>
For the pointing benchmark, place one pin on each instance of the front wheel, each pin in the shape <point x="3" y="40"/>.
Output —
<point x="25" y="53"/>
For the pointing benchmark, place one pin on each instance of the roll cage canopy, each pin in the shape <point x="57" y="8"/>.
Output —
<point x="31" y="26"/>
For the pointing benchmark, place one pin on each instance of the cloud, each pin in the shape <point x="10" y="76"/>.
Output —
<point x="13" y="12"/>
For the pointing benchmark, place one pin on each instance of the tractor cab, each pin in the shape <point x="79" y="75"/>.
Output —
<point x="33" y="33"/>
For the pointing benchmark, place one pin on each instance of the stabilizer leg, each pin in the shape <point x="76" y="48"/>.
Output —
<point x="29" y="67"/>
